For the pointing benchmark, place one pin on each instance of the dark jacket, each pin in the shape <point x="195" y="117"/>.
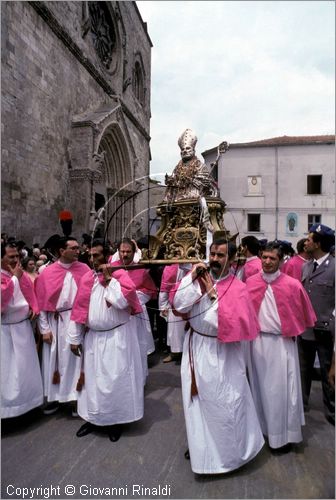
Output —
<point x="320" y="286"/>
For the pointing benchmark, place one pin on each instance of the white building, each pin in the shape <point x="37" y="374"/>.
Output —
<point x="277" y="188"/>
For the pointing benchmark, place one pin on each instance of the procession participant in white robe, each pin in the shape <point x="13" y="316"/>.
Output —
<point x="146" y="290"/>
<point x="136" y="258"/>
<point x="176" y="324"/>
<point x="111" y="390"/>
<point x="51" y="252"/>
<point x="222" y="425"/>
<point x="250" y="250"/>
<point x="293" y="266"/>
<point x="284" y="312"/>
<point x="55" y="289"/>
<point x="21" y="382"/>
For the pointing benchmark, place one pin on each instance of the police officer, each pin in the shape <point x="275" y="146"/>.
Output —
<point x="318" y="278"/>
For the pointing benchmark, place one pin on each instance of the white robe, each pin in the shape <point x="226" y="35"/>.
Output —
<point x="222" y="425"/>
<point x="21" y="382"/>
<point x="68" y="364"/>
<point x="275" y="378"/>
<point x="140" y="323"/>
<point x="175" y="328"/>
<point x="113" y="391"/>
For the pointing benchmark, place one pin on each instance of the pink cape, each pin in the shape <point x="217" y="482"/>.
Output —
<point x="250" y="268"/>
<point x="27" y="289"/>
<point x="48" y="285"/>
<point x="294" y="307"/>
<point x="293" y="267"/>
<point x="80" y="308"/>
<point x="236" y="317"/>
<point x="141" y="279"/>
<point x="169" y="276"/>
<point x="170" y="285"/>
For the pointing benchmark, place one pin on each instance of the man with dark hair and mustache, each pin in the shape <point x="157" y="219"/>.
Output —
<point x="110" y="389"/>
<point x="222" y="425"/>
<point x="250" y="249"/>
<point x="146" y="290"/>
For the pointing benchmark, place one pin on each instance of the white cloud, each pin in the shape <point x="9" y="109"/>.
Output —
<point x="238" y="71"/>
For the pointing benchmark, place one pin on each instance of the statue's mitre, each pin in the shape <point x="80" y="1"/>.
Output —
<point x="187" y="138"/>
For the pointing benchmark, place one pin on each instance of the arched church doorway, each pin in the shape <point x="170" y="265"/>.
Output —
<point x="113" y="192"/>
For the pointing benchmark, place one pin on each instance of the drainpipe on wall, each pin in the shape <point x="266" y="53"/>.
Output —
<point x="276" y="192"/>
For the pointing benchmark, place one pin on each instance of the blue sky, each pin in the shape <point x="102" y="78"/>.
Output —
<point x="238" y="71"/>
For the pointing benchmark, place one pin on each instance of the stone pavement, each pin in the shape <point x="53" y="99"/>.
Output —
<point x="44" y="454"/>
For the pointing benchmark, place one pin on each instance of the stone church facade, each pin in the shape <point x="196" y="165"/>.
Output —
<point x="75" y="118"/>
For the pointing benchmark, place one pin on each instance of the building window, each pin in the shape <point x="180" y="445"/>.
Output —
<point x="254" y="185"/>
<point x="314" y="184"/>
<point x="253" y="223"/>
<point x="138" y="83"/>
<point x="313" y="219"/>
<point x="103" y="32"/>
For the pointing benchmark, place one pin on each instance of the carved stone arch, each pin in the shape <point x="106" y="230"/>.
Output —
<point x="116" y="159"/>
<point x="103" y="162"/>
<point x="117" y="174"/>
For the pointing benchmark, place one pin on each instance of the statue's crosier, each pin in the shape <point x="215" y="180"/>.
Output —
<point x="190" y="178"/>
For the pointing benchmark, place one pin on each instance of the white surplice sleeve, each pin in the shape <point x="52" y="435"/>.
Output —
<point x="114" y="296"/>
<point x="163" y="301"/>
<point x="187" y="294"/>
<point x="210" y="312"/>
<point x="75" y="333"/>
<point x="43" y="323"/>
<point x="143" y="297"/>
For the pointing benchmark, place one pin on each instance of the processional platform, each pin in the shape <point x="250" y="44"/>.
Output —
<point x="182" y="235"/>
